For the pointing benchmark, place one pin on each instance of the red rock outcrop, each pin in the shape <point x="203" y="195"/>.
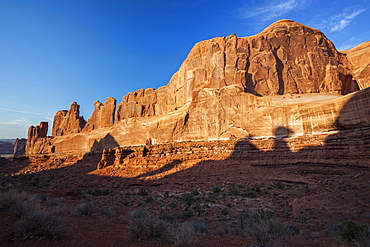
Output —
<point x="216" y="95"/>
<point x="359" y="56"/>
<point x="20" y="147"/>
<point x="68" y="122"/>
<point x="287" y="57"/>
<point x="37" y="140"/>
<point x="103" y="115"/>
<point x="141" y="103"/>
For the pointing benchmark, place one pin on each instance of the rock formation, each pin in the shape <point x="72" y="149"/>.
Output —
<point x="68" y="122"/>
<point x="359" y="57"/>
<point x="288" y="76"/>
<point x="37" y="140"/>
<point x="20" y="147"/>
<point x="103" y="115"/>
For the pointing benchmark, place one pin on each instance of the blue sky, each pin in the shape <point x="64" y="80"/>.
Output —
<point x="55" y="52"/>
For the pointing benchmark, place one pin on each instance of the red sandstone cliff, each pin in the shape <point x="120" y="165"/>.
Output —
<point x="215" y="95"/>
<point x="359" y="57"/>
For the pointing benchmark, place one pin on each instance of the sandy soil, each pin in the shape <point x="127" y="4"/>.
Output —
<point x="311" y="197"/>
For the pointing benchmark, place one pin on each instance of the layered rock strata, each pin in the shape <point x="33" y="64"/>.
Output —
<point x="359" y="58"/>
<point x="37" y="140"/>
<point x="68" y="122"/>
<point x="103" y="115"/>
<point x="20" y="147"/>
<point x="229" y="88"/>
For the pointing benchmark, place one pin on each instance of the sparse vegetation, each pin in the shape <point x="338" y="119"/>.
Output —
<point x="351" y="231"/>
<point x="264" y="228"/>
<point x="34" y="221"/>
<point x="40" y="224"/>
<point x="100" y="192"/>
<point x="144" y="225"/>
<point x="184" y="234"/>
<point x="216" y="189"/>
<point x="85" y="208"/>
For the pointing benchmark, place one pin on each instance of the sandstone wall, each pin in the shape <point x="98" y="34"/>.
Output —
<point x="216" y="95"/>
<point x="68" y="122"/>
<point x="20" y="147"/>
<point x="103" y="115"/>
<point x="314" y="153"/>
<point x="37" y="140"/>
<point x="359" y="57"/>
<point x="286" y="57"/>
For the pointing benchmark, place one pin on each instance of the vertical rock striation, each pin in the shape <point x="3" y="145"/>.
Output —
<point x="103" y="115"/>
<point x="68" y="122"/>
<point x="229" y="88"/>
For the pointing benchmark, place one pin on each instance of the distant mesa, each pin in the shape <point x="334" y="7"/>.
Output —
<point x="227" y="88"/>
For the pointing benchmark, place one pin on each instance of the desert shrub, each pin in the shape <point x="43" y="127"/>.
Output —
<point x="188" y="199"/>
<point x="25" y="207"/>
<point x="264" y="228"/>
<point x="149" y="199"/>
<point x="352" y="231"/>
<point x="195" y="192"/>
<point x="99" y="192"/>
<point x="197" y="208"/>
<point x="19" y="202"/>
<point x="144" y="225"/>
<point x="86" y="208"/>
<point x="172" y="204"/>
<point x="233" y="192"/>
<point x="42" y="225"/>
<point x="184" y="234"/>
<point x="185" y="215"/>
<point x="200" y="227"/>
<point x="142" y="191"/>
<point x="224" y="211"/>
<point x="216" y="189"/>
<point x="9" y="198"/>
<point x="166" y="217"/>
<point x="54" y="201"/>
<point x="108" y="211"/>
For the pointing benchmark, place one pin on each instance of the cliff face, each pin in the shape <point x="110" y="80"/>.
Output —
<point x="37" y="140"/>
<point x="216" y="95"/>
<point x="286" y="57"/>
<point x="68" y="122"/>
<point x="359" y="58"/>
<point x="103" y="115"/>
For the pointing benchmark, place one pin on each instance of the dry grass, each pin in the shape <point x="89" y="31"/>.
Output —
<point x="144" y="225"/>
<point x="184" y="234"/>
<point x="41" y="225"/>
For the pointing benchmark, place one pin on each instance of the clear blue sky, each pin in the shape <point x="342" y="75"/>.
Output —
<point x="54" y="52"/>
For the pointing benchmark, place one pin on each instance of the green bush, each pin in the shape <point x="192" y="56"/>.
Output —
<point x="216" y="189"/>
<point x="185" y="215"/>
<point x="195" y="192"/>
<point x="188" y="199"/>
<point x="233" y="192"/>
<point x="350" y="230"/>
